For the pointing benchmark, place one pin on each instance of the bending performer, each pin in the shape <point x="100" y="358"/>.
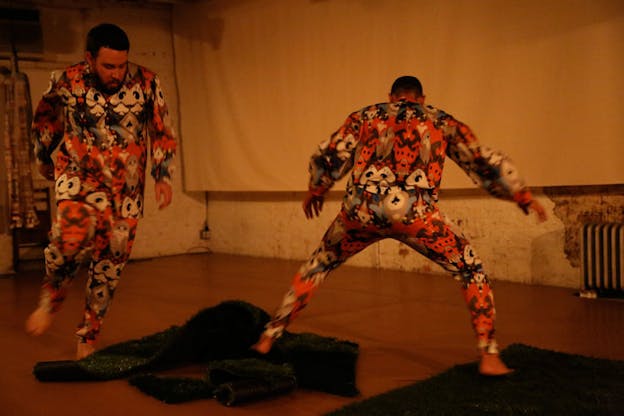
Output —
<point x="395" y="154"/>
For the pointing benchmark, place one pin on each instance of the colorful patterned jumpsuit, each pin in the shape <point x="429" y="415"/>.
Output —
<point x="395" y="153"/>
<point x="97" y="145"/>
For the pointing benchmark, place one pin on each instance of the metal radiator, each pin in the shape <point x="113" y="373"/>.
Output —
<point x="602" y="260"/>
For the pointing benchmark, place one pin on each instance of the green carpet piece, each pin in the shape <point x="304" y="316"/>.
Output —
<point x="240" y="381"/>
<point x="544" y="383"/>
<point x="313" y="357"/>
<point x="219" y="337"/>
<point x="231" y="382"/>
<point x="219" y="332"/>
<point x="173" y="390"/>
<point x="226" y="371"/>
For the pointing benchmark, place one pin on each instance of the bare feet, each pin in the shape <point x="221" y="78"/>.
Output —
<point x="492" y="365"/>
<point x="263" y="345"/>
<point x="38" y="322"/>
<point x="84" y="349"/>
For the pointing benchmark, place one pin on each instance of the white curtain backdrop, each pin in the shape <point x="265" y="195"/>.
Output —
<point x="262" y="82"/>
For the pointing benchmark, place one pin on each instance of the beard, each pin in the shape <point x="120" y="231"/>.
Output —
<point x="109" y="88"/>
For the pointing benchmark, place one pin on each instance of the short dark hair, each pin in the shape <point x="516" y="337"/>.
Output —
<point x="406" y="83"/>
<point x="107" y="35"/>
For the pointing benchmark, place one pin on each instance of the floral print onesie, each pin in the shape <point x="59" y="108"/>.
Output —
<point x="98" y="147"/>
<point x="395" y="153"/>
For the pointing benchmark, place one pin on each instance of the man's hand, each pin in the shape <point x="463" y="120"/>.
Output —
<point x="47" y="171"/>
<point x="312" y="205"/>
<point x="539" y="211"/>
<point x="164" y="194"/>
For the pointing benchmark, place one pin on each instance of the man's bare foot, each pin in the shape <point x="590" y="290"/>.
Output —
<point x="84" y="349"/>
<point x="263" y="345"/>
<point x="38" y="322"/>
<point x="492" y="365"/>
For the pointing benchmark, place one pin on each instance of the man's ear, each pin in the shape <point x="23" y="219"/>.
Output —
<point x="90" y="59"/>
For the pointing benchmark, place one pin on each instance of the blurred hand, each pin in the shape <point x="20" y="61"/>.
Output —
<point x="539" y="210"/>
<point x="312" y="205"/>
<point x="164" y="194"/>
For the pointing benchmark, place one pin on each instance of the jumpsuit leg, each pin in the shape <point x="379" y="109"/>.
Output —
<point x="435" y="239"/>
<point x="70" y="242"/>
<point x="343" y="239"/>
<point x="114" y="239"/>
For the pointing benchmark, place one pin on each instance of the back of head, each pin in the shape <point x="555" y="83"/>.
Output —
<point x="406" y="84"/>
<point x="107" y="35"/>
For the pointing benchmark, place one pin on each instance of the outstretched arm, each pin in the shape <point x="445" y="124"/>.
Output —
<point x="490" y="169"/>
<point x="332" y="160"/>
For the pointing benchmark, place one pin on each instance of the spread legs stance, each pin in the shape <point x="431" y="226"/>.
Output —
<point x="430" y="236"/>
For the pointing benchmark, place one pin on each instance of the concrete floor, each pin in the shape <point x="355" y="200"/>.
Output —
<point x="408" y="326"/>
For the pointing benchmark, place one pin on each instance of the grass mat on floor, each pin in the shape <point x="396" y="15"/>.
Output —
<point x="544" y="383"/>
<point x="220" y="337"/>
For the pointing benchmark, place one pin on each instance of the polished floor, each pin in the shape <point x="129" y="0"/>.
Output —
<point x="408" y="326"/>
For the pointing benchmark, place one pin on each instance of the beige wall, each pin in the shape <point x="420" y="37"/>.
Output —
<point x="504" y="237"/>
<point x="522" y="74"/>
<point x="512" y="246"/>
<point x="270" y="79"/>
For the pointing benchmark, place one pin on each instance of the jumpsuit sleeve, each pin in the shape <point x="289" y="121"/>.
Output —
<point x="162" y="138"/>
<point x="490" y="169"/>
<point x="334" y="157"/>
<point x="48" y="124"/>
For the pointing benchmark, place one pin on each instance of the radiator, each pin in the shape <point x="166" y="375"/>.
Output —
<point x="602" y="260"/>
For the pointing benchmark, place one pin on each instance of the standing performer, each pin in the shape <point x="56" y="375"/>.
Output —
<point x="91" y="131"/>
<point x="395" y="152"/>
